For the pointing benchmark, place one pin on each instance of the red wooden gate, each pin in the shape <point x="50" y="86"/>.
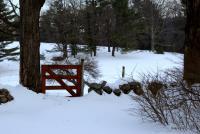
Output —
<point x="48" y="73"/>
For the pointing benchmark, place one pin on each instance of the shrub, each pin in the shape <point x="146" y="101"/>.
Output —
<point x="168" y="100"/>
<point x="91" y="70"/>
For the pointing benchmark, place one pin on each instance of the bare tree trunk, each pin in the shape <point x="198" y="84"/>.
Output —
<point x="192" y="43"/>
<point x="109" y="48"/>
<point x="30" y="43"/>
<point x="152" y="30"/>
<point x="65" y="51"/>
<point x="113" y="51"/>
<point x="152" y="39"/>
<point x="95" y="50"/>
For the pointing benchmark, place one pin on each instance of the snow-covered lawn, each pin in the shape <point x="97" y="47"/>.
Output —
<point x="92" y="114"/>
<point x="32" y="113"/>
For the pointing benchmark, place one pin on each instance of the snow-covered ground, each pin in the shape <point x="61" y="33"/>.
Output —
<point x="135" y="62"/>
<point x="32" y="113"/>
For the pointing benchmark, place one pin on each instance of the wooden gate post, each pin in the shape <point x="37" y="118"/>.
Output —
<point x="123" y="71"/>
<point x="48" y="73"/>
<point x="43" y="80"/>
<point x="82" y="77"/>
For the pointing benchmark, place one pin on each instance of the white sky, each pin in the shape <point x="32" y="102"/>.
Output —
<point x="16" y="2"/>
<point x="47" y="1"/>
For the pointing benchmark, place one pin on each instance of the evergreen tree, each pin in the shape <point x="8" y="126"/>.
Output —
<point x="62" y="20"/>
<point x="122" y="24"/>
<point x="106" y="23"/>
<point x="91" y="25"/>
<point x="8" y="22"/>
<point x="8" y="53"/>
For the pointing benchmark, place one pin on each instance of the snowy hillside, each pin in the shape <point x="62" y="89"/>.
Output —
<point x="32" y="113"/>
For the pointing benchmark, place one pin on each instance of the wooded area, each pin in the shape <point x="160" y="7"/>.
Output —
<point x="81" y="26"/>
<point x="128" y="24"/>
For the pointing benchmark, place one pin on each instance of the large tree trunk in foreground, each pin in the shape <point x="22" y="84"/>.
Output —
<point x="113" y="51"/>
<point x="192" y="43"/>
<point x="30" y="43"/>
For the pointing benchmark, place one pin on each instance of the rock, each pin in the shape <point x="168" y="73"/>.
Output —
<point x="4" y="92"/>
<point x="98" y="91"/>
<point x="90" y="89"/>
<point x="136" y="87"/>
<point x="107" y="89"/>
<point x="125" y="88"/>
<point x="10" y="98"/>
<point x="98" y="88"/>
<point x="95" y="85"/>
<point x="3" y="99"/>
<point x="117" y="92"/>
<point x="5" y="96"/>
<point x="103" y="84"/>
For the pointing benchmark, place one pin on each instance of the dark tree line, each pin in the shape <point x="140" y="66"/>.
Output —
<point x="126" y="24"/>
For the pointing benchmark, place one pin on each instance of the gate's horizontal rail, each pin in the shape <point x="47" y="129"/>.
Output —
<point x="70" y="77"/>
<point x="47" y="73"/>
<point x="61" y="87"/>
<point x="62" y="66"/>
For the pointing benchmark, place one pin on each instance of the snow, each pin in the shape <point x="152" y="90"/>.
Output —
<point x="32" y="113"/>
<point x="36" y="113"/>
<point x="136" y="63"/>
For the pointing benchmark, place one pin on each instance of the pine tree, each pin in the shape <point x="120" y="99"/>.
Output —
<point x="122" y="25"/>
<point x="8" y="53"/>
<point x="91" y="26"/>
<point x="106" y="22"/>
<point x="7" y="28"/>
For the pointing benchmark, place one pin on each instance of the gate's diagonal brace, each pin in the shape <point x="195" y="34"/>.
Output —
<point x="59" y="80"/>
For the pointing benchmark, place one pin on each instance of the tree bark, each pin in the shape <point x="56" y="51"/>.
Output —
<point x="109" y="47"/>
<point x="192" y="42"/>
<point x="95" y="50"/>
<point x="152" y="39"/>
<point x="65" y="51"/>
<point x="30" y="43"/>
<point x="113" y="51"/>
